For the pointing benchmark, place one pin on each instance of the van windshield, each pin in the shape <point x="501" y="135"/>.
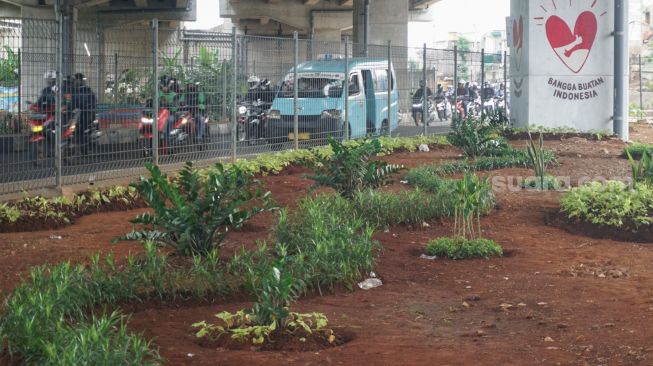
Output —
<point x="312" y="87"/>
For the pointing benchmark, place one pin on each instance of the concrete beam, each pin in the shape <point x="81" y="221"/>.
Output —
<point x="265" y="20"/>
<point x="140" y="3"/>
<point x="311" y="2"/>
<point x="88" y="4"/>
<point x="181" y="4"/>
<point x="346" y="2"/>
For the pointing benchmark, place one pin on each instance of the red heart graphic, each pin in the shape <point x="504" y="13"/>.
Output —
<point x="572" y="49"/>
<point x="518" y="40"/>
<point x="518" y="33"/>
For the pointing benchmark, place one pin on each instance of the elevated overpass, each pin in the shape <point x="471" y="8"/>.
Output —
<point x="328" y="20"/>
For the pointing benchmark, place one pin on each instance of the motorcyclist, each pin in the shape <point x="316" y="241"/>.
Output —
<point x="169" y="98"/>
<point x="419" y="94"/>
<point x="84" y="101"/>
<point x="253" y="92"/>
<point x="48" y="94"/>
<point x="195" y="101"/>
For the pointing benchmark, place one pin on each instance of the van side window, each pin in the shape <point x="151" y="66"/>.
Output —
<point x="381" y="80"/>
<point x="354" y="85"/>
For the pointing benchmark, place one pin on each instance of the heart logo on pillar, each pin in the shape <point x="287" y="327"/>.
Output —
<point x="518" y="40"/>
<point x="572" y="48"/>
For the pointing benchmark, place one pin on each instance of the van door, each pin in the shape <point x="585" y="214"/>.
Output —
<point x="356" y="114"/>
<point x="370" y="101"/>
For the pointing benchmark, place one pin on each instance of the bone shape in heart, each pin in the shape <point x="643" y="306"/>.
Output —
<point x="570" y="48"/>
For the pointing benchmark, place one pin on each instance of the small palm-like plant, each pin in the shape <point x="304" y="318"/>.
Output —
<point x="642" y="169"/>
<point x="194" y="213"/>
<point x="538" y="159"/>
<point x="472" y="195"/>
<point x="351" y="169"/>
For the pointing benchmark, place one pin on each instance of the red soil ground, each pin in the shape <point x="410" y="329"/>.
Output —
<point x="555" y="299"/>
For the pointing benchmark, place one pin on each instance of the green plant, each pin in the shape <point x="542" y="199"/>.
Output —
<point x="611" y="203"/>
<point x="637" y="149"/>
<point x="9" y="213"/>
<point x="538" y="160"/>
<point x="9" y="67"/>
<point x="471" y="195"/>
<point x="327" y="242"/>
<point x="473" y="135"/>
<point x="243" y="328"/>
<point x="278" y="289"/>
<point x="543" y="184"/>
<point x="350" y="168"/>
<point x="461" y="248"/>
<point x="193" y="215"/>
<point x="642" y="169"/>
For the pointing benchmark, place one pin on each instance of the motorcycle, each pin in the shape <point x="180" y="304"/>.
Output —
<point x="418" y="111"/>
<point x="43" y="133"/>
<point x="252" y="119"/>
<point x="489" y="106"/>
<point x="443" y="107"/>
<point x="146" y="131"/>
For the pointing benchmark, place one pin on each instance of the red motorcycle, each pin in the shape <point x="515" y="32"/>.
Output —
<point x="147" y="132"/>
<point x="42" y="140"/>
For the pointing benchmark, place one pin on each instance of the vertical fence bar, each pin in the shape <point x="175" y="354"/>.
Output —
<point x="115" y="71"/>
<point x="641" y="94"/>
<point x="455" y="82"/>
<point x="346" y="91"/>
<point x="505" y="84"/>
<point x="20" y="85"/>
<point x="59" y="102"/>
<point x="482" y="82"/>
<point x="234" y="86"/>
<point x="295" y="90"/>
<point x="425" y="97"/>
<point x="155" y="90"/>
<point x="224" y="89"/>
<point x="390" y="82"/>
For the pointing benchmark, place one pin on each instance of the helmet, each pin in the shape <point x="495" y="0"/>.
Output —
<point x="253" y="81"/>
<point x="50" y="74"/>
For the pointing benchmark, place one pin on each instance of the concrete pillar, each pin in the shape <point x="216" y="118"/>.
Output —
<point x="388" y="20"/>
<point x="562" y="64"/>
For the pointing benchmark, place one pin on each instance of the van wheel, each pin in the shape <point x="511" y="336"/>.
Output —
<point x="385" y="128"/>
<point x="370" y="128"/>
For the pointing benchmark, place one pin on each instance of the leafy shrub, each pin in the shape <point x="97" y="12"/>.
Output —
<point x="9" y="213"/>
<point x="327" y="242"/>
<point x="244" y="328"/>
<point x="445" y="190"/>
<point x="637" y="150"/>
<point x="611" y="203"/>
<point x="509" y="158"/>
<point x="461" y="248"/>
<point x="384" y="209"/>
<point x="642" y="169"/>
<point x="471" y="195"/>
<point x="278" y="289"/>
<point x="473" y="135"/>
<point x="350" y="168"/>
<point x="193" y="215"/>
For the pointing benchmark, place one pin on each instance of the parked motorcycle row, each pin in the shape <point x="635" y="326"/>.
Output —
<point x="470" y="100"/>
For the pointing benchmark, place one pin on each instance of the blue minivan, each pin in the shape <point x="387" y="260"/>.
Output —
<point x="321" y="103"/>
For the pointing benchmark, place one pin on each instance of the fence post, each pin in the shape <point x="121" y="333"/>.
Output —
<point x="59" y="102"/>
<point x="455" y="82"/>
<point x="115" y="70"/>
<point x="155" y="90"/>
<point x="234" y="86"/>
<point x="20" y="84"/>
<point x="295" y="91"/>
<point x="482" y="82"/>
<point x="390" y="83"/>
<point x="641" y="94"/>
<point x="224" y="89"/>
<point x="425" y="97"/>
<point x="346" y="91"/>
<point x="505" y="84"/>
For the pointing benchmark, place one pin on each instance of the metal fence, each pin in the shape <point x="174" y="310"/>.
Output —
<point x="641" y="87"/>
<point x="124" y="96"/>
